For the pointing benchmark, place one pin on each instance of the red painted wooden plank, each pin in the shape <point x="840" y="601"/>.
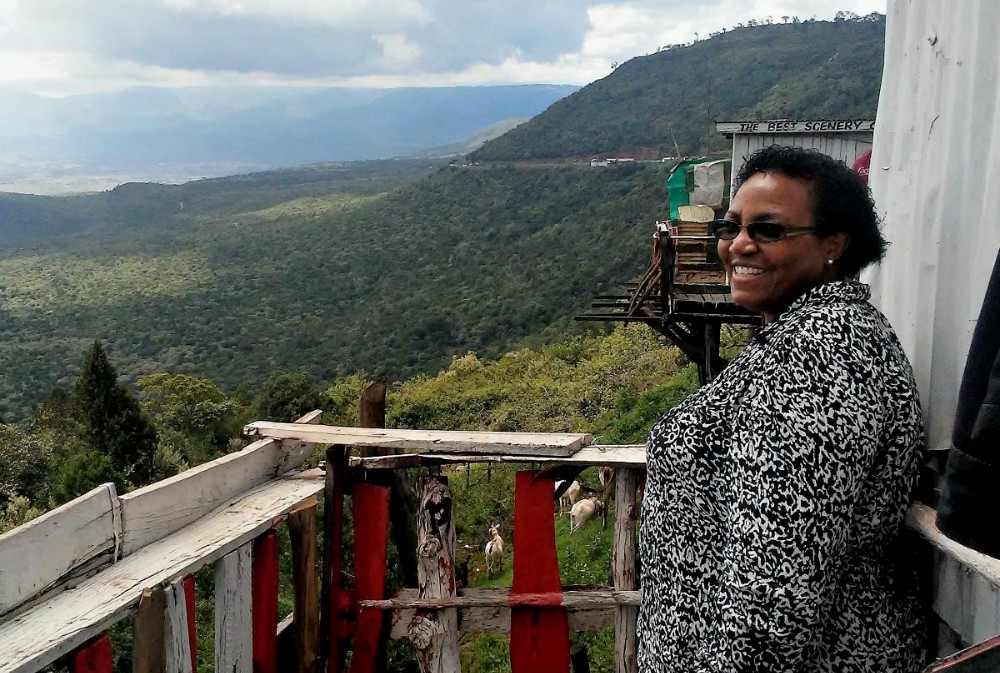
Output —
<point x="539" y="636"/>
<point x="265" y="603"/>
<point x="371" y="539"/>
<point x="93" y="657"/>
<point x="334" y="508"/>
<point x="192" y="621"/>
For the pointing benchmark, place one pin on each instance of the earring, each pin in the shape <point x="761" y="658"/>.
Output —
<point x="829" y="262"/>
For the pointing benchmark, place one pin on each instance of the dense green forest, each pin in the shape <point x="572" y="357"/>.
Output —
<point x="797" y="70"/>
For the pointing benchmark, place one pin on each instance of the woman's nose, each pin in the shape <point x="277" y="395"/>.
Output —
<point x="742" y="244"/>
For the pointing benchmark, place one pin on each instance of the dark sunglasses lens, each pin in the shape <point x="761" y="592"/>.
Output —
<point x="766" y="232"/>
<point x="725" y="231"/>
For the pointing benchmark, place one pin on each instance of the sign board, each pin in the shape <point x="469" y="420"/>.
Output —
<point x="792" y="126"/>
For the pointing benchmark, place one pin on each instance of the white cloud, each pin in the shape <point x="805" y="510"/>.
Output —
<point x="62" y="46"/>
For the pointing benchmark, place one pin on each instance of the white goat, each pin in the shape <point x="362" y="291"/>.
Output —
<point x="605" y="474"/>
<point x="494" y="552"/>
<point x="570" y="496"/>
<point x="583" y="512"/>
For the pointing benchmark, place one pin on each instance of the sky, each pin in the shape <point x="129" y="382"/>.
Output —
<point x="64" y="47"/>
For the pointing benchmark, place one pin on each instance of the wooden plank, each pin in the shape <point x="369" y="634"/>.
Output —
<point x="265" y="603"/>
<point x="178" y="642"/>
<point x="983" y="657"/>
<point x="624" y="570"/>
<point x="618" y="455"/>
<point x="371" y="541"/>
<point x="333" y="623"/>
<point x="57" y="542"/>
<point x="155" y="511"/>
<point x="489" y="611"/>
<point x="538" y="444"/>
<point x="305" y="580"/>
<point x="234" y="611"/>
<point x="189" y="602"/>
<point x="539" y="636"/>
<point x="597" y="599"/>
<point x="46" y="631"/>
<point x="147" y="648"/>
<point x="94" y="657"/>
<point x="435" y="634"/>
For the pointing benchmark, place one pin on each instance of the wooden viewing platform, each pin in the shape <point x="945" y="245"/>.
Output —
<point x="69" y="575"/>
<point x="682" y="294"/>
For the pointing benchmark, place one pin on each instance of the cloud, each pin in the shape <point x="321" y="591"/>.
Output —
<point x="356" y="42"/>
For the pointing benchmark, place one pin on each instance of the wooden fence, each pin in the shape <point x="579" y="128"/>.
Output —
<point x="66" y="577"/>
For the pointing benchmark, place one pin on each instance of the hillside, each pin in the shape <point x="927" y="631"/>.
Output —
<point x="808" y="70"/>
<point x="464" y="259"/>
<point x="392" y="266"/>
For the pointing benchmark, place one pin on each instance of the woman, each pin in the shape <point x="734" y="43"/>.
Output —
<point x="776" y="494"/>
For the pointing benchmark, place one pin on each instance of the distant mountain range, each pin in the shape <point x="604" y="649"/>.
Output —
<point x="168" y="135"/>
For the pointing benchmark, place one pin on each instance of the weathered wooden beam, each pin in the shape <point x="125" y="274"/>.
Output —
<point x="147" y="649"/>
<point x="434" y="634"/>
<point x="624" y="570"/>
<point x="537" y="444"/>
<point x="305" y="581"/>
<point x="234" y="611"/>
<point x="57" y="543"/>
<point x="177" y="641"/>
<point x="570" y="600"/>
<point x="624" y="455"/>
<point x="332" y="622"/>
<point x="189" y="602"/>
<point x="155" y="511"/>
<point x="265" y="603"/>
<point x="34" y="639"/>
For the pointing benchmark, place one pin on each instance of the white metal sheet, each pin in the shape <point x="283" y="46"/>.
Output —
<point x="935" y="176"/>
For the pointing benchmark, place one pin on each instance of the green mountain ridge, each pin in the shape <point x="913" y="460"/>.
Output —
<point x="393" y="266"/>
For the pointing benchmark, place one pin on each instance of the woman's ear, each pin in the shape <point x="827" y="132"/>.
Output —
<point x="836" y="245"/>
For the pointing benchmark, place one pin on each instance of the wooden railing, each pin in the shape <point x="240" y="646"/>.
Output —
<point x="66" y="577"/>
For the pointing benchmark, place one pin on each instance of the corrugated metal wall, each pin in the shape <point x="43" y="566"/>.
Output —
<point x="935" y="175"/>
<point x="844" y="146"/>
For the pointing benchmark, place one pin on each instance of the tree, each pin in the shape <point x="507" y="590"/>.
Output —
<point x="285" y="397"/>
<point x="114" y="423"/>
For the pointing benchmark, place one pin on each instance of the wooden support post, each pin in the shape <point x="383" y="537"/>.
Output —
<point x="623" y="569"/>
<point x="579" y="659"/>
<point x="302" y="530"/>
<point x="94" y="657"/>
<point x="234" y="611"/>
<point x="147" y="648"/>
<point x="435" y="634"/>
<point x="371" y="539"/>
<point x="332" y="620"/>
<point x="191" y="620"/>
<point x="539" y="636"/>
<point x="177" y="640"/>
<point x="265" y="603"/>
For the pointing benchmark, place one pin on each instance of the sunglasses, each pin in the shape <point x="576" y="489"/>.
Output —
<point x="759" y="232"/>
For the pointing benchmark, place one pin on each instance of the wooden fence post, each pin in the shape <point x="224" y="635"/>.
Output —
<point x="93" y="657"/>
<point x="333" y="549"/>
<point x="177" y="641"/>
<point x="302" y="530"/>
<point x="371" y="539"/>
<point x="434" y="634"/>
<point x="539" y="635"/>
<point x="191" y="617"/>
<point x="623" y="565"/>
<point x="147" y="648"/>
<point x="234" y="611"/>
<point x="265" y="602"/>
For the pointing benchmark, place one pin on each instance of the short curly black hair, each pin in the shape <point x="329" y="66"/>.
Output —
<point x="841" y="200"/>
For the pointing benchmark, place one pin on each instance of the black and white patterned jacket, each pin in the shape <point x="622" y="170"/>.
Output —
<point x="774" y="500"/>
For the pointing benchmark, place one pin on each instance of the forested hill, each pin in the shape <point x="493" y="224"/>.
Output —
<point x="806" y="70"/>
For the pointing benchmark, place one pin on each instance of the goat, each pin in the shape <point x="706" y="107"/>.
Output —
<point x="584" y="511"/>
<point x="605" y="474"/>
<point x="494" y="552"/>
<point x="569" y="496"/>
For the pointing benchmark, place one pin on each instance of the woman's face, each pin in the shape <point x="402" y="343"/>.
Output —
<point x="768" y="277"/>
